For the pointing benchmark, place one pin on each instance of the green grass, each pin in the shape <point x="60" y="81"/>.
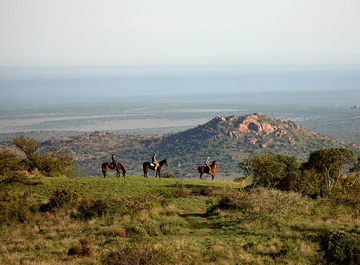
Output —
<point x="156" y="223"/>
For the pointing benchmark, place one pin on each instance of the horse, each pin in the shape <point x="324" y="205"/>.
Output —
<point x="148" y="165"/>
<point x="203" y="170"/>
<point x="110" y="165"/>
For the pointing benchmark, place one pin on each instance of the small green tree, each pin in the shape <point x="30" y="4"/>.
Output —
<point x="9" y="163"/>
<point x="331" y="164"/>
<point x="50" y="164"/>
<point x="356" y="167"/>
<point x="269" y="169"/>
<point x="27" y="145"/>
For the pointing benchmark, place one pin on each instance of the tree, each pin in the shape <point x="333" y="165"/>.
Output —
<point x="9" y="163"/>
<point x="49" y="164"/>
<point x="269" y="169"/>
<point x="331" y="163"/>
<point x="27" y="145"/>
<point x="356" y="167"/>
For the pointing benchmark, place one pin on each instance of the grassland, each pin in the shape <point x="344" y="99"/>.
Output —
<point x="92" y="220"/>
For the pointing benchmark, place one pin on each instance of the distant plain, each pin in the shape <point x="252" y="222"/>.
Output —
<point x="45" y="103"/>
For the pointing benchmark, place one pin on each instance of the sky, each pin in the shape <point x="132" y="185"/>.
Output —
<point x="147" y="32"/>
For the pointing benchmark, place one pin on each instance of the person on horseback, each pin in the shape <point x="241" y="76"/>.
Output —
<point x="207" y="161"/>
<point x="154" y="161"/>
<point x="113" y="160"/>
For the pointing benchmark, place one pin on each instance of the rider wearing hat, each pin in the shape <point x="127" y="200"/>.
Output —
<point x="207" y="161"/>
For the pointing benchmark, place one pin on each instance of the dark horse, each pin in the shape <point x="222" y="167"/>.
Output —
<point x="110" y="165"/>
<point x="203" y="170"/>
<point x="148" y="165"/>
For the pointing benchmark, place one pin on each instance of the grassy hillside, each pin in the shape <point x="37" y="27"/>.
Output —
<point x="163" y="221"/>
<point x="227" y="140"/>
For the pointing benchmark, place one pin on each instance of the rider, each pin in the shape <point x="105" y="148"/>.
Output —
<point x="113" y="159"/>
<point x="154" y="161"/>
<point x="207" y="161"/>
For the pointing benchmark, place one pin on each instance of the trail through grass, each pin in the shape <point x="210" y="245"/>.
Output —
<point x="150" y="214"/>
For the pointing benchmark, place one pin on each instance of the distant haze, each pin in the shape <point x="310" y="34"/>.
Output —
<point x="32" y="84"/>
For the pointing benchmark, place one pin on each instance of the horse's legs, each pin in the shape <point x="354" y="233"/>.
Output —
<point x="212" y="176"/>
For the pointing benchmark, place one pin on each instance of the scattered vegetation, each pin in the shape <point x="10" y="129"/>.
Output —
<point x="281" y="212"/>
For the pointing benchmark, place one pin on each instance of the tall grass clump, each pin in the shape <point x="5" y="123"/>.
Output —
<point x="138" y="253"/>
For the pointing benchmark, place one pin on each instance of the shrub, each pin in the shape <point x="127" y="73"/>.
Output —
<point x="82" y="248"/>
<point x="89" y="209"/>
<point x="167" y="175"/>
<point x="287" y="249"/>
<point x="180" y="191"/>
<point x="233" y="199"/>
<point x="51" y="164"/>
<point x="266" y="205"/>
<point x="58" y="199"/>
<point x="119" y="231"/>
<point x="9" y="163"/>
<point x="274" y="206"/>
<point x="341" y="248"/>
<point x="309" y="184"/>
<point x="165" y="193"/>
<point x="269" y="169"/>
<point x="17" y="210"/>
<point x="205" y="191"/>
<point x="137" y="232"/>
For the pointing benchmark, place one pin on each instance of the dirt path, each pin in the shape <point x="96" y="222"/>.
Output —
<point x="199" y="223"/>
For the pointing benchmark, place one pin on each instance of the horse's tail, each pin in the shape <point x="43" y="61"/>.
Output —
<point x="145" y="167"/>
<point x="200" y="169"/>
<point x="103" y="168"/>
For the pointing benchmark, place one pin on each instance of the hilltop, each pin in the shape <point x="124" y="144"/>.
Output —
<point x="225" y="139"/>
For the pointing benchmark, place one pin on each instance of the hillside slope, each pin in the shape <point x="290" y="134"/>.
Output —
<point x="227" y="140"/>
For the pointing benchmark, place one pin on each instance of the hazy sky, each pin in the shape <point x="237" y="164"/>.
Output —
<point x="122" y="32"/>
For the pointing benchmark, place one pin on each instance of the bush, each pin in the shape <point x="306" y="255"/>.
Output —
<point x="270" y="206"/>
<point x="89" y="209"/>
<point x="269" y="169"/>
<point x="341" y="248"/>
<point x="180" y="191"/>
<point x="137" y="232"/>
<point x="17" y="210"/>
<point x="165" y="193"/>
<point x="119" y="231"/>
<point x="58" y="199"/>
<point x="234" y="200"/>
<point x="167" y="175"/>
<point x="82" y="248"/>
<point x="51" y="164"/>
<point x="205" y="191"/>
<point x="10" y="168"/>
<point x="9" y="162"/>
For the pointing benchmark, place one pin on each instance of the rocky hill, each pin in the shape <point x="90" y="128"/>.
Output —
<point x="225" y="139"/>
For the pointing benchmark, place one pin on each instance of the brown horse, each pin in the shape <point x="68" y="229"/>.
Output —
<point x="148" y="165"/>
<point x="203" y="170"/>
<point x="110" y="165"/>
